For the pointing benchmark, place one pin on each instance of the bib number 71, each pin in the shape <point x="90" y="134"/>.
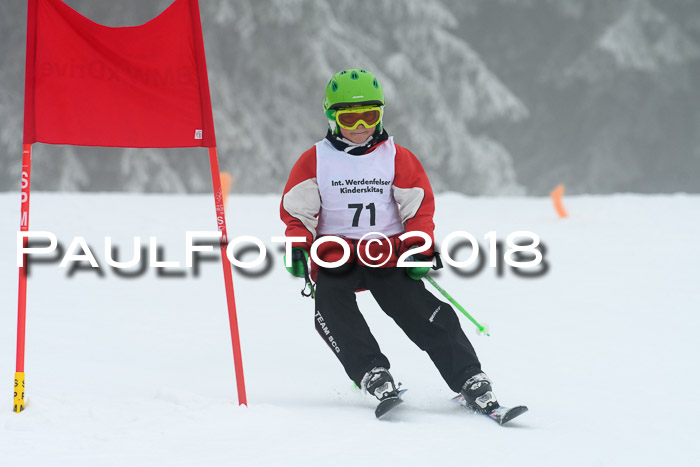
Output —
<point x="358" y="210"/>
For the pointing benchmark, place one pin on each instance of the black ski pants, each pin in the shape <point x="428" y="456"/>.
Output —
<point x="430" y="323"/>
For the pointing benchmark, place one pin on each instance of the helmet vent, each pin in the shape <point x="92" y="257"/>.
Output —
<point x="375" y="83"/>
<point x="334" y="86"/>
<point x="354" y="75"/>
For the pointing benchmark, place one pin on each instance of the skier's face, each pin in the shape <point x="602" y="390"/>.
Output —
<point x="359" y="134"/>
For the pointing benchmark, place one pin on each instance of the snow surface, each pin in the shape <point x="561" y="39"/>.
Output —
<point x="603" y="349"/>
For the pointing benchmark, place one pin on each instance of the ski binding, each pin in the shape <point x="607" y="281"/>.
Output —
<point x="501" y="415"/>
<point x="388" y="404"/>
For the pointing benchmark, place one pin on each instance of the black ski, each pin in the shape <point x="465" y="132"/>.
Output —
<point x="388" y="403"/>
<point x="501" y="415"/>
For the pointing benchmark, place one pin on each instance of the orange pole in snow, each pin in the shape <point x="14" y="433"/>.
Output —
<point x="226" y="182"/>
<point x="557" y="194"/>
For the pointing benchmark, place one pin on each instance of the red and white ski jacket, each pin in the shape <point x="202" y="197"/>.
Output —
<point x="385" y="191"/>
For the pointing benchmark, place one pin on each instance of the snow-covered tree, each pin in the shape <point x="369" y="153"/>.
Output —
<point x="11" y="95"/>
<point x="270" y="92"/>
<point x="492" y="95"/>
<point x="637" y="70"/>
<point x="641" y="39"/>
<point x="611" y="86"/>
<point x="269" y="61"/>
<point x="268" y="70"/>
<point x="439" y="86"/>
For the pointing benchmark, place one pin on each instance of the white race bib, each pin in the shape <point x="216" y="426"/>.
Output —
<point x="356" y="195"/>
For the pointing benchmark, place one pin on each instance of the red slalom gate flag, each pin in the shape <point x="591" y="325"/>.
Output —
<point x="143" y="86"/>
<point x="93" y="85"/>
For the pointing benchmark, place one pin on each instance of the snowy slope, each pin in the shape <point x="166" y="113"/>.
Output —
<point x="603" y="348"/>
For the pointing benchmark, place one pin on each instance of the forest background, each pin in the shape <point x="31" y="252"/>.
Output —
<point x="495" y="97"/>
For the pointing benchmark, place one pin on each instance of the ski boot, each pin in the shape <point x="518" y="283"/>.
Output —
<point x="379" y="383"/>
<point x="478" y="395"/>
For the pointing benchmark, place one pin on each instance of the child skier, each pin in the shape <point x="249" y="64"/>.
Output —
<point x="355" y="184"/>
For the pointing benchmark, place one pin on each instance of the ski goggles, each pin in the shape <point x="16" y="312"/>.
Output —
<point x="351" y="117"/>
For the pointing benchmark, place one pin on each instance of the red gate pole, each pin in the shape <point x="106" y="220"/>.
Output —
<point x="228" y="279"/>
<point x="22" y="295"/>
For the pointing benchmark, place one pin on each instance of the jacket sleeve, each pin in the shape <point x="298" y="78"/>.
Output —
<point x="301" y="201"/>
<point x="414" y="195"/>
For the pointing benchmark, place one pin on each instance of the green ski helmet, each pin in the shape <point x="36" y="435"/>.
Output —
<point x="353" y="86"/>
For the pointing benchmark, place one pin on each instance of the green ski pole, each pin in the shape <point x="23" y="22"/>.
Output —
<point x="482" y="329"/>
